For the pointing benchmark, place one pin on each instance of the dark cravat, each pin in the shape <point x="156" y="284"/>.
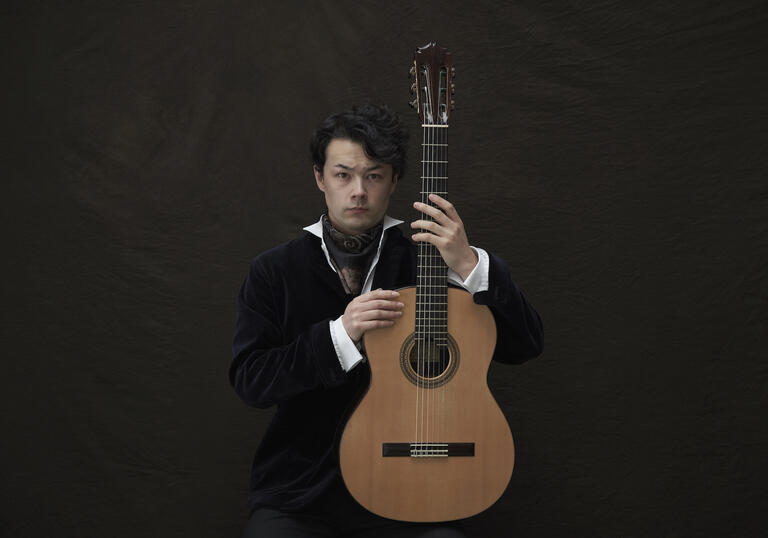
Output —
<point x="351" y="254"/>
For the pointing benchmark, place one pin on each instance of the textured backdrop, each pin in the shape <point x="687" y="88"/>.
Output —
<point x="612" y="153"/>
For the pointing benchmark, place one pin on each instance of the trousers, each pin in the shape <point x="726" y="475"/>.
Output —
<point x="337" y="515"/>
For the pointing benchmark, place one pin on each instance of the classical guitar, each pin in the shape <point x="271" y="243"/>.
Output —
<point x="427" y="442"/>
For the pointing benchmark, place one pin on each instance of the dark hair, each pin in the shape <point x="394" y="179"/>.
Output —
<point x="376" y="128"/>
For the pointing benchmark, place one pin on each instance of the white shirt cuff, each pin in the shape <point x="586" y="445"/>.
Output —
<point x="478" y="279"/>
<point x="346" y="350"/>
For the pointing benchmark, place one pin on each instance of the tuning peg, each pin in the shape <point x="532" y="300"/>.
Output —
<point x="412" y="71"/>
<point x="453" y="71"/>
<point x="413" y="103"/>
<point x="453" y="104"/>
<point x="413" y="88"/>
<point x="453" y="88"/>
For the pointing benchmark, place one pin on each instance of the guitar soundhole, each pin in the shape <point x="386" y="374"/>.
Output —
<point x="427" y="362"/>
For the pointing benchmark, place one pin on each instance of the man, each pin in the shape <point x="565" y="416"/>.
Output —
<point x="305" y="306"/>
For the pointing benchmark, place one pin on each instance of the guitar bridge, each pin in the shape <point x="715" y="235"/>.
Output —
<point x="427" y="450"/>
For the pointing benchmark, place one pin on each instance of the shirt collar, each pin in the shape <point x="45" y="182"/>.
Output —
<point x="316" y="229"/>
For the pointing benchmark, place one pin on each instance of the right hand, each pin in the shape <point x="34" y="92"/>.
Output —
<point x="372" y="310"/>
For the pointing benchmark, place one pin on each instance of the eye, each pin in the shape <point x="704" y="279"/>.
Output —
<point x="342" y="175"/>
<point x="374" y="177"/>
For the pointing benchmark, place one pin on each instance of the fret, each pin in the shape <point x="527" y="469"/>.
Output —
<point x="433" y="192"/>
<point x="442" y="126"/>
<point x="433" y="144"/>
<point x="434" y="177"/>
<point x="441" y="162"/>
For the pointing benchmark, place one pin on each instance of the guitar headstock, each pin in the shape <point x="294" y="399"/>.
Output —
<point x="432" y="88"/>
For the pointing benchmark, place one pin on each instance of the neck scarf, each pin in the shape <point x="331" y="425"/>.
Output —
<point x="351" y="254"/>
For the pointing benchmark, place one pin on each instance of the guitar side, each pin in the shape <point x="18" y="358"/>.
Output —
<point x="460" y="413"/>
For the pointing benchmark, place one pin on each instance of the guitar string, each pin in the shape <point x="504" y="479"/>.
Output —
<point x="430" y="297"/>
<point x="438" y="296"/>
<point x="427" y="299"/>
<point x="440" y="305"/>
<point x="434" y="299"/>
<point x="419" y="301"/>
<point x="424" y="298"/>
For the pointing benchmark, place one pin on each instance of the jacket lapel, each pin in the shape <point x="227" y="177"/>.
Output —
<point x="389" y="271"/>
<point x="324" y="271"/>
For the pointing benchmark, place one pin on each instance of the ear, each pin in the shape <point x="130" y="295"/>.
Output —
<point x="394" y="183"/>
<point x="318" y="178"/>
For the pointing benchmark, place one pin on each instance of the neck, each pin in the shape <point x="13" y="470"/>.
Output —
<point x="432" y="288"/>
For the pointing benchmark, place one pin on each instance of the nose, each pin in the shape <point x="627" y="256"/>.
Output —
<point x="358" y="188"/>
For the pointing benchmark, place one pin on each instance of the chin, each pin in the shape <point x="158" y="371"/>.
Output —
<point x="357" y="226"/>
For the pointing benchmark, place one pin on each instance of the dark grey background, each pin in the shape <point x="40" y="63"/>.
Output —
<point x="612" y="152"/>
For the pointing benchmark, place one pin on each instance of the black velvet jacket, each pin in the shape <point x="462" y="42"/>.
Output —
<point x="283" y="355"/>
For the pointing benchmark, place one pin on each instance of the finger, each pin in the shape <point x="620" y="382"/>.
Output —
<point x="433" y="212"/>
<point x="381" y="304"/>
<point x="371" y="315"/>
<point x="377" y="294"/>
<point x="431" y="238"/>
<point x="430" y="226"/>
<point x="446" y="206"/>
<point x="378" y="324"/>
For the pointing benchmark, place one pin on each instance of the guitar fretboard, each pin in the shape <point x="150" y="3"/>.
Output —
<point x="431" y="285"/>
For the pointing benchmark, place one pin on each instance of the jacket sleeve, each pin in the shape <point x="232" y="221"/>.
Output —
<point x="269" y="366"/>
<point x="519" y="331"/>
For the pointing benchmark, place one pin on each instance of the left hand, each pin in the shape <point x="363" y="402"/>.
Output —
<point x="446" y="233"/>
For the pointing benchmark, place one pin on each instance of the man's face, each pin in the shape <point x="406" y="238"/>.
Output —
<point x="357" y="189"/>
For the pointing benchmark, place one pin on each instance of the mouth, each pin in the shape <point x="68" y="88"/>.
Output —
<point x="357" y="209"/>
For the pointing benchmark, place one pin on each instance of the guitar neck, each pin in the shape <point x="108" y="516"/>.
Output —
<point x="432" y="93"/>
<point x="431" y="289"/>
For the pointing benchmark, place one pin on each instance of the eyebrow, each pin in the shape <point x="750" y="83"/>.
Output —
<point x="345" y="167"/>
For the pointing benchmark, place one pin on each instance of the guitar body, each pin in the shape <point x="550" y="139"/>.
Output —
<point x="393" y="450"/>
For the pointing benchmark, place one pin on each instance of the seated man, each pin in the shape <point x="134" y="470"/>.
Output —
<point x="306" y="304"/>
